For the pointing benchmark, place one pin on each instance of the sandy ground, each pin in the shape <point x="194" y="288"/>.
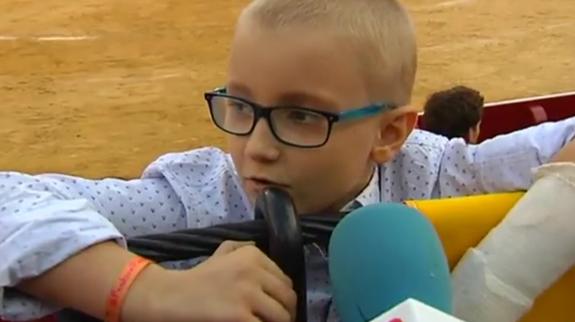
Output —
<point x="102" y="87"/>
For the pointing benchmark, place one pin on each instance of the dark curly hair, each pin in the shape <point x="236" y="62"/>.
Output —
<point x="453" y="112"/>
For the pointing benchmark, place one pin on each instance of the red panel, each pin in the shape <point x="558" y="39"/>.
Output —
<point x="506" y="117"/>
<point x="539" y="114"/>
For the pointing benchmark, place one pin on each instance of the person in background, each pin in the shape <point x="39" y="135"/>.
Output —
<point x="454" y="113"/>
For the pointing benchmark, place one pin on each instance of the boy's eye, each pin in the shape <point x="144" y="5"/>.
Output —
<point x="239" y="106"/>
<point x="301" y="116"/>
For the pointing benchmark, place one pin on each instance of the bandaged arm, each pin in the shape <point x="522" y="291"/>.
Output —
<point x="524" y="255"/>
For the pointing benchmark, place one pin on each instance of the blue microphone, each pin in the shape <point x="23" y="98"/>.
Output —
<point x="382" y="255"/>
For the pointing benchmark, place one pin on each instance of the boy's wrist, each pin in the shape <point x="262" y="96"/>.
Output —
<point x="142" y="303"/>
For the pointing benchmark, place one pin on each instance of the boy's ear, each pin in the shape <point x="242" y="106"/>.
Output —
<point x="474" y="133"/>
<point x="394" y="129"/>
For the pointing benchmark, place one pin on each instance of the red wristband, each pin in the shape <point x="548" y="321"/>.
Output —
<point x="120" y="290"/>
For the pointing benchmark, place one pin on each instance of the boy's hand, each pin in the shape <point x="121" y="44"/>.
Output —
<point x="238" y="283"/>
<point x="566" y="154"/>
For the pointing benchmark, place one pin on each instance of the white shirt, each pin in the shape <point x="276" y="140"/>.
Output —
<point x="45" y="219"/>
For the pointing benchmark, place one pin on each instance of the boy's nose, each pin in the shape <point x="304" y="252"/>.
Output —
<point x="262" y="145"/>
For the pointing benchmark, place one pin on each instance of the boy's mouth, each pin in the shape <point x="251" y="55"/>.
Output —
<point x="258" y="184"/>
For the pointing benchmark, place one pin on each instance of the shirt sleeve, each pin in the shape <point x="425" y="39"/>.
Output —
<point x="503" y="163"/>
<point x="46" y="219"/>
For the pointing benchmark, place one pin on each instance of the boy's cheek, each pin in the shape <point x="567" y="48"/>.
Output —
<point x="236" y="145"/>
<point x="251" y="196"/>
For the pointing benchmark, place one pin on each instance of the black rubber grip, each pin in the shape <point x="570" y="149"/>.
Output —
<point x="285" y="241"/>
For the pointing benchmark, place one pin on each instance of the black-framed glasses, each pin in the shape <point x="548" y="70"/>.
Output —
<point x="296" y="126"/>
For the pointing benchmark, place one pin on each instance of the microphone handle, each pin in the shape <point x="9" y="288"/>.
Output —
<point x="285" y="241"/>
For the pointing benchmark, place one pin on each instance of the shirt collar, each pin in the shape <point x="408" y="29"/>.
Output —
<point x="369" y="195"/>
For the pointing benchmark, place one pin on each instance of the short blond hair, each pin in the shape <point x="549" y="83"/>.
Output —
<point x="381" y="29"/>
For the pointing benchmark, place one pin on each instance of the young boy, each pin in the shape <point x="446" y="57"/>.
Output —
<point x="335" y="78"/>
<point x="454" y="113"/>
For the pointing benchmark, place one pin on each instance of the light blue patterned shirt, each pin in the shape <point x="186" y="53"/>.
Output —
<point x="45" y="219"/>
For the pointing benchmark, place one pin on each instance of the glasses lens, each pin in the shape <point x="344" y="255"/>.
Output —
<point x="232" y="115"/>
<point x="300" y="126"/>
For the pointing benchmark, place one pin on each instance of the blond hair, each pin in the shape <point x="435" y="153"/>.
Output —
<point x="381" y="31"/>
